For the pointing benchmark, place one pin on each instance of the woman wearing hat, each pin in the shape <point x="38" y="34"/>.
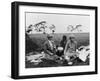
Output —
<point x="70" y="48"/>
<point x="50" y="47"/>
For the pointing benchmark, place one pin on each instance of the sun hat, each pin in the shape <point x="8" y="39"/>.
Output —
<point x="71" y="36"/>
<point x="49" y="35"/>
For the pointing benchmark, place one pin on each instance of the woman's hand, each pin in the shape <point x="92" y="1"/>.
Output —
<point x="51" y="53"/>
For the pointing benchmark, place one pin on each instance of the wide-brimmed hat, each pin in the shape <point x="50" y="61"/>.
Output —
<point x="72" y="36"/>
<point x="49" y="35"/>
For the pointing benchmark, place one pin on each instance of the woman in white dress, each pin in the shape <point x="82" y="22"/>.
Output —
<point x="70" y="48"/>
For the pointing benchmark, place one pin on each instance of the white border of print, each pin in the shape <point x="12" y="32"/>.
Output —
<point x="54" y="70"/>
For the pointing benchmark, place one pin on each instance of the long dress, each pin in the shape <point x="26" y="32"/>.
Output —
<point x="70" y="49"/>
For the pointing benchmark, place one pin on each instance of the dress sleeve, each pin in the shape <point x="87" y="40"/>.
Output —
<point x="66" y="47"/>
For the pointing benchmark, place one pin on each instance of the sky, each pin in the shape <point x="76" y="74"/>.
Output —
<point x="61" y="21"/>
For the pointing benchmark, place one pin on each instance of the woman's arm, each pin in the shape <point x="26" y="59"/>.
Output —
<point x="76" y="45"/>
<point x="66" y="48"/>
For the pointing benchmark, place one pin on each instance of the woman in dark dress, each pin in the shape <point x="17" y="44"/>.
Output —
<point x="60" y="52"/>
<point x="63" y="41"/>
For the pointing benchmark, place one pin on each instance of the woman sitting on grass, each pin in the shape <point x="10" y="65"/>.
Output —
<point x="70" y="49"/>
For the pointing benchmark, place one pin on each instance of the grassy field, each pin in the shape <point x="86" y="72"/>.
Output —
<point x="35" y="42"/>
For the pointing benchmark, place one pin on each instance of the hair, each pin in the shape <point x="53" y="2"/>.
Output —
<point x="64" y="37"/>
